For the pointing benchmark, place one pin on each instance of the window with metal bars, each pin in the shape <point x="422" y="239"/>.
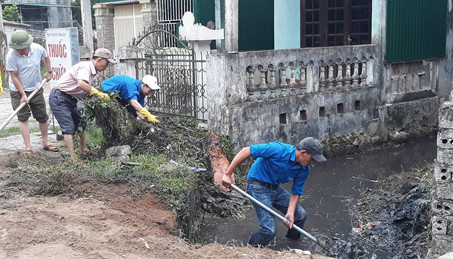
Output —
<point x="171" y="11"/>
<point x="169" y="16"/>
<point x="335" y="22"/>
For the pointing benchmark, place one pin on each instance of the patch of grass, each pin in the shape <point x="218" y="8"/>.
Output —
<point x="94" y="137"/>
<point x="40" y="174"/>
<point x="12" y="131"/>
<point x="171" y="181"/>
<point x="54" y="184"/>
<point x="103" y="167"/>
<point x="9" y="132"/>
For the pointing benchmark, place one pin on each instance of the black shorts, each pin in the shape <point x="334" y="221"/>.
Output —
<point x="64" y="108"/>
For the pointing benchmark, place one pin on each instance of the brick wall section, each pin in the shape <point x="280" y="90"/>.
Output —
<point x="442" y="193"/>
<point x="149" y="13"/>
<point x="12" y="26"/>
<point x="104" y="26"/>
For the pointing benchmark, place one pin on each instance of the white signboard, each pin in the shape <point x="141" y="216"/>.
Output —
<point x="62" y="46"/>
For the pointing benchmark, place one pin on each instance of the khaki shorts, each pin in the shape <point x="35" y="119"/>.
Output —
<point x="36" y="106"/>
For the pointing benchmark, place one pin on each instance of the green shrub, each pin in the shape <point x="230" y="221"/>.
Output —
<point x="11" y="13"/>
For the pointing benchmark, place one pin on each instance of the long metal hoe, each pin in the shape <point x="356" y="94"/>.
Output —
<point x="23" y="104"/>
<point x="271" y="211"/>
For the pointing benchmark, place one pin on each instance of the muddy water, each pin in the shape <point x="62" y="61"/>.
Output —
<point x="330" y="190"/>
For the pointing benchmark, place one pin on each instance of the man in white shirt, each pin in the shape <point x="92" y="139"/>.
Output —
<point x="23" y="63"/>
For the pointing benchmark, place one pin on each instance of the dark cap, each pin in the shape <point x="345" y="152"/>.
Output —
<point x="313" y="147"/>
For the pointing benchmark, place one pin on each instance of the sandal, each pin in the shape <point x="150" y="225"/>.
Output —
<point x="87" y="152"/>
<point x="51" y="148"/>
<point x="77" y="162"/>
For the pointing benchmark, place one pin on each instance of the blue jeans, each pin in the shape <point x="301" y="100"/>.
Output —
<point x="279" y="199"/>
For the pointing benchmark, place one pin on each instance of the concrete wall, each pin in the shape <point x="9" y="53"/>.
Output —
<point x="231" y="113"/>
<point x="127" y="57"/>
<point x="442" y="191"/>
<point x="393" y="98"/>
<point x="12" y="26"/>
<point x="259" y="122"/>
<point x="287" y="24"/>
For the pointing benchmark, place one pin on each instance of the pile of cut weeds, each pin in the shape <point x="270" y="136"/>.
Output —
<point x="394" y="219"/>
<point x="177" y="139"/>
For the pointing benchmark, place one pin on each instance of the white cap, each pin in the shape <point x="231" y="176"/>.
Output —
<point x="151" y="81"/>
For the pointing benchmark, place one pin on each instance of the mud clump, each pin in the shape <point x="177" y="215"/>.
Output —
<point x="395" y="218"/>
<point x="391" y="221"/>
<point x="338" y="248"/>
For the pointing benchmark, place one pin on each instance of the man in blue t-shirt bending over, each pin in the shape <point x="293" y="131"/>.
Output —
<point x="132" y="93"/>
<point x="277" y="163"/>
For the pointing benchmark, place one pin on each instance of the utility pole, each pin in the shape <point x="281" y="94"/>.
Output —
<point x="87" y="24"/>
<point x="1" y="16"/>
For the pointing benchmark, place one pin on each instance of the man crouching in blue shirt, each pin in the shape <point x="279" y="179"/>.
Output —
<point x="277" y="163"/>
<point x="132" y="93"/>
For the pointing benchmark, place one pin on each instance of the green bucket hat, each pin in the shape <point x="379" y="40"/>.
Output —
<point x="20" y="40"/>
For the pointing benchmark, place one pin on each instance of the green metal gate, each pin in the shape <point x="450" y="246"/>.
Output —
<point x="204" y="12"/>
<point x="415" y="29"/>
<point x="256" y="25"/>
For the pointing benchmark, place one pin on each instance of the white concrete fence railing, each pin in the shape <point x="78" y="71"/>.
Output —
<point x="279" y="94"/>
<point x="307" y="71"/>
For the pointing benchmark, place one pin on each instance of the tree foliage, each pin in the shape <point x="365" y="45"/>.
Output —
<point x="11" y="13"/>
